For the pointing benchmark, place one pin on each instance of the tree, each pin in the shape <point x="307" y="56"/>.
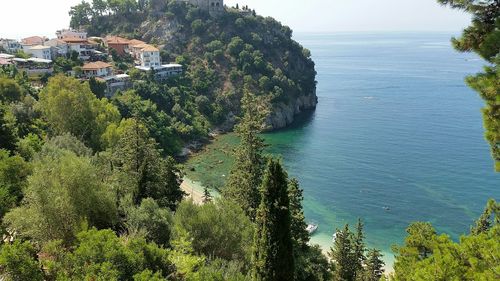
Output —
<point x="10" y="91"/>
<point x="8" y="130"/>
<point x="151" y="220"/>
<point x="374" y="266"/>
<point x="101" y="255"/>
<point x="273" y="257"/>
<point x="427" y="256"/>
<point x="13" y="173"/>
<point x="64" y="194"/>
<point x="343" y="256"/>
<point x="483" y="37"/>
<point x="359" y="248"/>
<point x="18" y="262"/>
<point x="141" y="167"/>
<point x="217" y="229"/>
<point x="69" y="106"/>
<point x="246" y="173"/>
<point x="98" y="88"/>
<point x="80" y="15"/>
<point x="298" y="221"/>
<point x="484" y="223"/>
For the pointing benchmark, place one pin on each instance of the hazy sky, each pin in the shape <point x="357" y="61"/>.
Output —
<point x="22" y="18"/>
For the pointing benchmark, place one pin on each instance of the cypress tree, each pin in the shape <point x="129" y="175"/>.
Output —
<point x="246" y="173"/>
<point x="273" y="258"/>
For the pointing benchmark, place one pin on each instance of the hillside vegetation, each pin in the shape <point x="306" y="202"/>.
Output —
<point x="224" y="56"/>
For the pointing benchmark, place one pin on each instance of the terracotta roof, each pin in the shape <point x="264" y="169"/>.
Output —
<point x="33" y="40"/>
<point x="135" y="42"/>
<point x="75" y="40"/>
<point x="140" y="46"/>
<point x="96" y="65"/>
<point x="117" y="40"/>
<point x="149" y="48"/>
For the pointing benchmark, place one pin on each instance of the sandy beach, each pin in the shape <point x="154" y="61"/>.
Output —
<point x="193" y="189"/>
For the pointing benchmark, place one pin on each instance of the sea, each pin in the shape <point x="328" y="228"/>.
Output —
<point x="397" y="137"/>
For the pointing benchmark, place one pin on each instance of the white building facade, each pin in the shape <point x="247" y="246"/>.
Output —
<point x="41" y="52"/>
<point x="149" y="57"/>
<point x="10" y="45"/>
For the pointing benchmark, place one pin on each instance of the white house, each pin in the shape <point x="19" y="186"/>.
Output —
<point x="41" y="52"/>
<point x="27" y="43"/>
<point x="164" y="71"/>
<point x="149" y="56"/>
<point x="71" y="33"/>
<point x="97" y="69"/>
<point x="83" y="47"/>
<point x="10" y="45"/>
<point x="58" y="47"/>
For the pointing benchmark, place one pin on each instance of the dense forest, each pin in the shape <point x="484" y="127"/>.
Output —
<point x="89" y="190"/>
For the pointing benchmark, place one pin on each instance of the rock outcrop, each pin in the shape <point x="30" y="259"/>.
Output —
<point x="284" y="114"/>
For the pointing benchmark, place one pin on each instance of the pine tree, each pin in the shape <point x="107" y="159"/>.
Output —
<point x="298" y="224"/>
<point x="272" y="256"/>
<point x="359" y="248"/>
<point x="246" y="173"/>
<point x="343" y="257"/>
<point x="483" y="224"/>
<point x="374" y="266"/>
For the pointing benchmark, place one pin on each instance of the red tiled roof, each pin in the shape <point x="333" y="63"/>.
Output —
<point x="149" y="48"/>
<point x="117" y="40"/>
<point x="96" y="65"/>
<point x="134" y="42"/>
<point x="33" y="40"/>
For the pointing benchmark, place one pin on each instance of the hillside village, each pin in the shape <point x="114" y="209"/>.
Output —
<point x="96" y="57"/>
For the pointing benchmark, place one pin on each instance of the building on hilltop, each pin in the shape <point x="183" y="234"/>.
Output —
<point x="214" y="7"/>
<point x="71" y="33"/>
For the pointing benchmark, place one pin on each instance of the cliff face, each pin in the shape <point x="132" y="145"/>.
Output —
<point x="284" y="114"/>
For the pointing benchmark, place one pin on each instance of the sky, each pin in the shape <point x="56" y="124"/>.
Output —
<point x="22" y="18"/>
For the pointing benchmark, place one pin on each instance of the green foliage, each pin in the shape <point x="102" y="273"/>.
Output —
<point x="427" y="256"/>
<point x="246" y="173"/>
<point x="8" y="130"/>
<point x="153" y="221"/>
<point x="218" y="229"/>
<point x="374" y="266"/>
<point x="18" y="262"/>
<point x="69" y="106"/>
<point x="483" y="38"/>
<point x="273" y="256"/>
<point x="349" y="259"/>
<point x="10" y="91"/>
<point x="63" y="195"/>
<point x="142" y="171"/>
<point x="98" y="88"/>
<point x="101" y="255"/>
<point x="13" y="173"/>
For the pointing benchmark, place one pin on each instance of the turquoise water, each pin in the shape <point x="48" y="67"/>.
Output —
<point x="395" y="126"/>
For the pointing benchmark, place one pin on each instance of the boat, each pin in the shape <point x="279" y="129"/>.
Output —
<point x="311" y="228"/>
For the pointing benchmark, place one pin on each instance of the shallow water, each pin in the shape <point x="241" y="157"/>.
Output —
<point x="396" y="127"/>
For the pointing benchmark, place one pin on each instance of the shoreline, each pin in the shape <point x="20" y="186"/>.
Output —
<point x="194" y="191"/>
